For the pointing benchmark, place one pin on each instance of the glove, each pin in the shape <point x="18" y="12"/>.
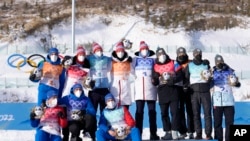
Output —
<point x="60" y="114"/>
<point x="205" y="62"/>
<point x="185" y="89"/>
<point x="92" y="84"/>
<point x="32" y="115"/>
<point x="238" y="85"/>
<point x="32" y="77"/>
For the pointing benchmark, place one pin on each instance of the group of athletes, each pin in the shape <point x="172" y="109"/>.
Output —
<point x="73" y="88"/>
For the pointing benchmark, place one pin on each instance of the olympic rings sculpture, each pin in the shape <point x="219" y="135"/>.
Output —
<point x="24" y="61"/>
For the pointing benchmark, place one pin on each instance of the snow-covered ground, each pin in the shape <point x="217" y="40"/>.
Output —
<point x="135" y="29"/>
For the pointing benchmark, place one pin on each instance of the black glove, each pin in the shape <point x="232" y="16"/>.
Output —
<point x="60" y="114"/>
<point x="92" y="84"/>
<point x="205" y="62"/>
<point x="238" y="85"/>
<point x="83" y="112"/>
<point x="185" y="89"/>
<point x="32" y="77"/>
<point x="32" y="115"/>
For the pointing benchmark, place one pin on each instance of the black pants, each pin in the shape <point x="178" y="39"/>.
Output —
<point x="186" y="112"/>
<point x="218" y="112"/>
<point x="168" y="124"/>
<point x="88" y="124"/>
<point x="202" y="99"/>
<point x="151" y="112"/>
<point x="97" y="97"/>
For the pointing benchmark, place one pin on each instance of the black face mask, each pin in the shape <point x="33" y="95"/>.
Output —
<point x="198" y="57"/>
<point x="220" y="65"/>
<point x="182" y="58"/>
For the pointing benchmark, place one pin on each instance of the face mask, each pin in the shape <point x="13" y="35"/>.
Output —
<point x="98" y="53"/>
<point x="51" y="103"/>
<point x="182" y="58"/>
<point x="120" y="54"/>
<point x="162" y="58"/>
<point x="111" y="105"/>
<point x="53" y="58"/>
<point x="220" y="65"/>
<point x="198" y="57"/>
<point x="144" y="53"/>
<point x="78" y="93"/>
<point x="80" y="58"/>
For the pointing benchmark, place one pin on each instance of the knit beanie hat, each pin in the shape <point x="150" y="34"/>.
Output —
<point x="197" y="51"/>
<point x="53" y="50"/>
<point x="160" y="51"/>
<point x="143" y="45"/>
<point x="181" y="50"/>
<point x="51" y="93"/>
<point x="95" y="47"/>
<point x="80" y="50"/>
<point x="218" y="59"/>
<point x="119" y="46"/>
<point x="109" y="96"/>
<point x="77" y="85"/>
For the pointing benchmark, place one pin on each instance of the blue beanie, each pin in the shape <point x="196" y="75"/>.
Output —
<point x="77" y="85"/>
<point x="51" y="93"/>
<point x="53" y="50"/>
<point x="109" y="96"/>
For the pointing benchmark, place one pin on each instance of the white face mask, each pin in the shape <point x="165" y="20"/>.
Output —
<point x="53" y="58"/>
<point x="120" y="54"/>
<point x="144" y="53"/>
<point x="111" y="104"/>
<point x="80" y="58"/>
<point x="78" y="93"/>
<point x="162" y="58"/>
<point x="51" y="103"/>
<point x="98" y="53"/>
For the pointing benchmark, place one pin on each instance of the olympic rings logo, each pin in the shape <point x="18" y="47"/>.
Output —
<point x="20" y="63"/>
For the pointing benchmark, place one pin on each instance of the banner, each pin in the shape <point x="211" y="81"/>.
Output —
<point x="15" y="116"/>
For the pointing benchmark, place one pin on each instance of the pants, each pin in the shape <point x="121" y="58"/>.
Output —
<point x="197" y="100"/>
<point x="75" y="127"/>
<point x="174" y="110"/>
<point x="218" y="112"/>
<point x="186" y="112"/>
<point x="44" y="136"/>
<point x="104" y="136"/>
<point x="97" y="97"/>
<point x="151" y="113"/>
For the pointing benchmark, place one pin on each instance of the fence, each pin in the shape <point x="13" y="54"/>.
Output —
<point x="16" y="82"/>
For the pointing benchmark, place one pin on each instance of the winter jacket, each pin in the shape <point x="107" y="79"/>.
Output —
<point x="99" y="69"/>
<point x="50" y="122"/>
<point x="167" y="92"/>
<point x="53" y="74"/>
<point x="75" y="74"/>
<point x="222" y="94"/>
<point x="144" y="89"/>
<point x="120" y="116"/>
<point x="74" y="103"/>
<point x="120" y="83"/>
<point x="193" y="73"/>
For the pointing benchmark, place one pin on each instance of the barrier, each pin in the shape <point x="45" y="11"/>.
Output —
<point x="15" y="116"/>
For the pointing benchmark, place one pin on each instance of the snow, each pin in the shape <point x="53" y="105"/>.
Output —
<point x="91" y="29"/>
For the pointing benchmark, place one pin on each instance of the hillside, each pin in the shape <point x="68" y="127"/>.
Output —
<point x="21" y="18"/>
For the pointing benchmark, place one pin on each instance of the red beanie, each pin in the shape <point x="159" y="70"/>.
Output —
<point x="95" y="47"/>
<point x="143" y="45"/>
<point x="80" y="50"/>
<point x="119" y="46"/>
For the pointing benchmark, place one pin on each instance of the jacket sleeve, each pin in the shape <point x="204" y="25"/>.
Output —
<point x="40" y="67"/>
<point x="34" y="122"/>
<point x="90" y="108"/>
<point x="155" y="77"/>
<point x="103" y="123"/>
<point x="62" y="82"/>
<point x="128" y="118"/>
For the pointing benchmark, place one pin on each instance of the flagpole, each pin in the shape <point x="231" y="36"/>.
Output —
<point x="73" y="26"/>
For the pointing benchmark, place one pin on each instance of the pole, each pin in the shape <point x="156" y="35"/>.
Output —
<point x="73" y="26"/>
